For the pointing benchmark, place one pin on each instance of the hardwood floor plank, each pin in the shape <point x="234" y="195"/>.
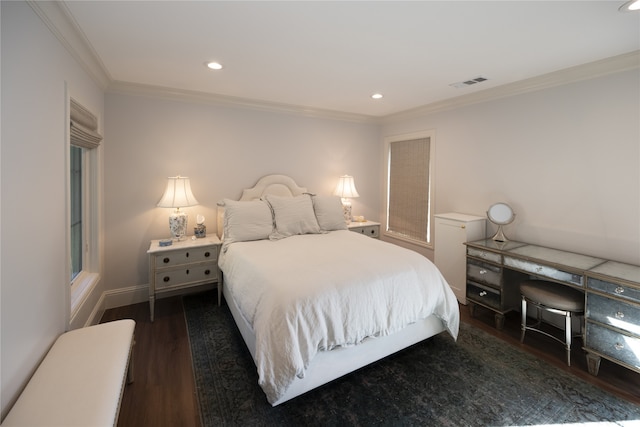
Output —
<point x="163" y="392"/>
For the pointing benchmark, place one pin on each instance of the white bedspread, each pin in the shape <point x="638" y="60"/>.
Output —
<point x="309" y="293"/>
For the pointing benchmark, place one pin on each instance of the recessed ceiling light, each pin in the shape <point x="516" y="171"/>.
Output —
<point x="376" y="96"/>
<point x="214" y="65"/>
<point x="630" y="6"/>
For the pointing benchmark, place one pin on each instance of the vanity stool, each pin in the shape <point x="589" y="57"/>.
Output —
<point x="554" y="298"/>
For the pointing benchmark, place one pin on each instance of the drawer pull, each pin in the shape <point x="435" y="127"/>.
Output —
<point x="620" y="315"/>
<point x="619" y="346"/>
<point x="619" y="290"/>
<point x="166" y="260"/>
<point x="187" y="271"/>
<point x="483" y="271"/>
<point x="165" y="279"/>
<point x="187" y="254"/>
<point x="207" y="254"/>
<point x="207" y="272"/>
<point x="483" y="293"/>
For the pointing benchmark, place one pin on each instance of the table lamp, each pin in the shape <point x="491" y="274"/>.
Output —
<point x="178" y="195"/>
<point x="346" y="190"/>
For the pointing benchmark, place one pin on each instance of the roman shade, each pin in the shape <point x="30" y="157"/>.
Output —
<point x="83" y="127"/>
<point x="408" y="214"/>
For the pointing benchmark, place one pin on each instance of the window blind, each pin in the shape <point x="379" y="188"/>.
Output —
<point x="83" y="127"/>
<point x="408" y="204"/>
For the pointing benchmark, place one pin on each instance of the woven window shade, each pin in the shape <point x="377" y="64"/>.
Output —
<point x="84" y="127"/>
<point x="409" y="188"/>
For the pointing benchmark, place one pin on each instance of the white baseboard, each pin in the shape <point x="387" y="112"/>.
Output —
<point x="125" y="296"/>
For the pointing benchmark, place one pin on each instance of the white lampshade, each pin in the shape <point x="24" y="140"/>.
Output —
<point x="346" y="187"/>
<point x="178" y="195"/>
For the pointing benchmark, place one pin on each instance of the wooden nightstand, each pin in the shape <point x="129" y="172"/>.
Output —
<point x="368" y="228"/>
<point x="183" y="265"/>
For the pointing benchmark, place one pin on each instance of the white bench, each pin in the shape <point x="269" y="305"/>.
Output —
<point x="80" y="381"/>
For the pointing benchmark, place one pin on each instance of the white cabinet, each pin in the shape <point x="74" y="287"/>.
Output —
<point x="453" y="230"/>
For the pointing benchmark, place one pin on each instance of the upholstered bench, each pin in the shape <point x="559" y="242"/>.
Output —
<point x="554" y="298"/>
<point x="81" y="379"/>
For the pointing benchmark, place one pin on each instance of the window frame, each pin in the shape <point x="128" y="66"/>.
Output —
<point x="80" y="287"/>
<point x="431" y="135"/>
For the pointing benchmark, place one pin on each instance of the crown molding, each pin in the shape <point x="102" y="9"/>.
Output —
<point x="60" y="22"/>
<point x="614" y="64"/>
<point x="152" y="91"/>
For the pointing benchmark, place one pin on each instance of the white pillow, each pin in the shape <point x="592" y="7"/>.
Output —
<point x="244" y="221"/>
<point x="293" y="215"/>
<point x="329" y="212"/>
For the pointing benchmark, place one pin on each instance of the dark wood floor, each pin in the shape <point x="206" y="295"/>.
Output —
<point x="163" y="391"/>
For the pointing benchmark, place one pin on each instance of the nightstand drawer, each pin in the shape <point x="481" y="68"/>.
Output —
<point x="371" y="231"/>
<point x="183" y="276"/>
<point x="368" y="228"/>
<point x="186" y="256"/>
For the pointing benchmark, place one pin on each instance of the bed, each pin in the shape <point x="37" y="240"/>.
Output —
<point x="315" y="301"/>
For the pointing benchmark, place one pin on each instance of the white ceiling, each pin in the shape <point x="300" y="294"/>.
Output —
<point x="332" y="55"/>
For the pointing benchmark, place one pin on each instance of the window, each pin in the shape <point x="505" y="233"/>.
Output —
<point x="409" y="184"/>
<point x="83" y="203"/>
<point x="77" y="224"/>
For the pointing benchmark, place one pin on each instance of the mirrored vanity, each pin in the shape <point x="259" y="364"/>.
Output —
<point x="611" y="326"/>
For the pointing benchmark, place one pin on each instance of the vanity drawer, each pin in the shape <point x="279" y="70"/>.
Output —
<point x="184" y="256"/>
<point x="544" y="270"/>
<point x="613" y="344"/>
<point x="483" y="272"/>
<point x="484" y="295"/>
<point x="182" y="276"/>
<point x="614" y="312"/>
<point x="614" y="289"/>
<point x="487" y="255"/>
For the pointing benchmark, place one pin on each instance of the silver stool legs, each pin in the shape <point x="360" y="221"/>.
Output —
<point x="535" y="327"/>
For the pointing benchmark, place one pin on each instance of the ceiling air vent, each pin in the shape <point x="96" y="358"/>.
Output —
<point x="469" y="82"/>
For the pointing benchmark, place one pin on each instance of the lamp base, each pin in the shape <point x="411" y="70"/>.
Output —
<point x="346" y="210"/>
<point x="178" y="225"/>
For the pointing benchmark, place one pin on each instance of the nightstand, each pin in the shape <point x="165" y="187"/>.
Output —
<point x="183" y="265"/>
<point x="368" y="228"/>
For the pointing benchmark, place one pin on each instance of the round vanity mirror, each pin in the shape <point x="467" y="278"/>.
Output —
<point x="500" y="214"/>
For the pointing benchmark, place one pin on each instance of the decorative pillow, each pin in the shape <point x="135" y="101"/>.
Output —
<point x="292" y="215"/>
<point x="329" y="212"/>
<point x="248" y="220"/>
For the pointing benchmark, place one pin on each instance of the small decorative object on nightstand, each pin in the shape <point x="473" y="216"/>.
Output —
<point x="200" y="230"/>
<point x="368" y="228"/>
<point x="183" y="265"/>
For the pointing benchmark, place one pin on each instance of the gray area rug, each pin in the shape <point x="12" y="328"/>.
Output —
<point x="477" y="381"/>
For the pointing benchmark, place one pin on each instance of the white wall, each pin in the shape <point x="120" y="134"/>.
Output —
<point x="33" y="282"/>
<point x="223" y="150"/>
<point x="567" y="159"/>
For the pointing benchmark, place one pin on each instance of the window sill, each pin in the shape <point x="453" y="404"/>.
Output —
<point x="80" y="290"/>
<point x="402" y="238"/>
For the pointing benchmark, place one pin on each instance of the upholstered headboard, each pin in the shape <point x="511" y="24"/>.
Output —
<point x="277" y="185"/>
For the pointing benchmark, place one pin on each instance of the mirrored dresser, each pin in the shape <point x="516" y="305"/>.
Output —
<point x="611" y="327"/>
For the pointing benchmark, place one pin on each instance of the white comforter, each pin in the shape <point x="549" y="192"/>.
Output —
<point x="308" y="293"/>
